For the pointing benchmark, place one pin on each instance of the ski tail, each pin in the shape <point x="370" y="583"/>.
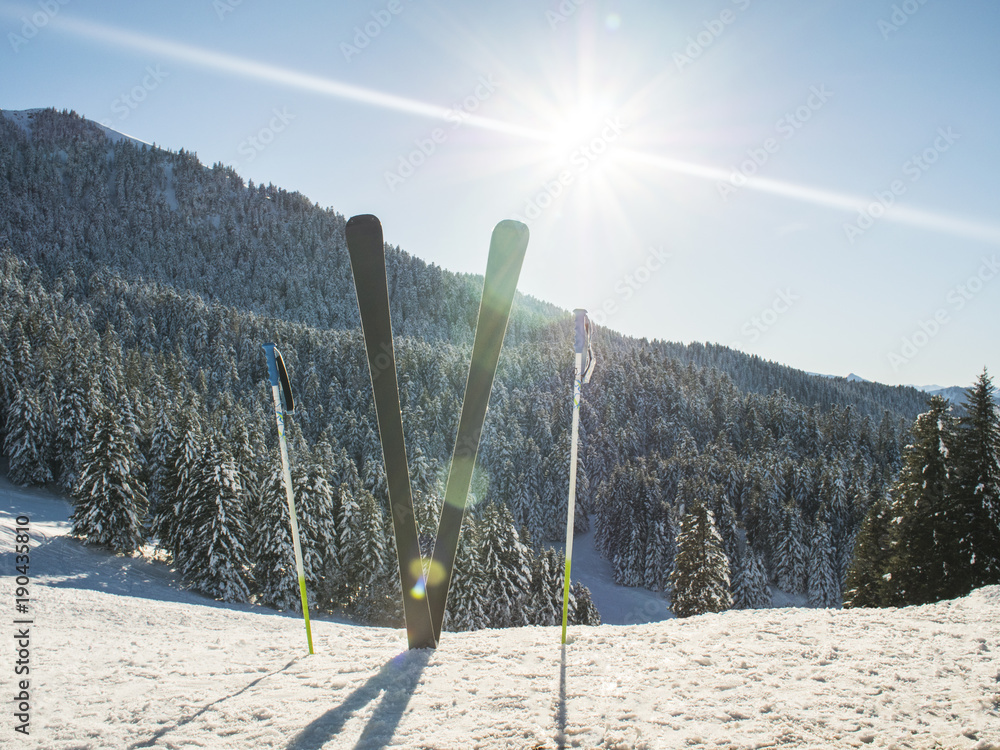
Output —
<point x="367" y="250"/>
<point x="503" y="267"/>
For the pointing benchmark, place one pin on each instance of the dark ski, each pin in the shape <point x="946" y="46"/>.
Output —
<point x="503" y="267"/>
<point x="367" y="251"/>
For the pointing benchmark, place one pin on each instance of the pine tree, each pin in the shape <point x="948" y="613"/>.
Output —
<point x="790" y="554"/>
<point x="317" y="529"/>
<point x="924" y="543"/>
<point x="72" y="423"/>
<point x="379" y="599"/>
<point x="27" y="441"/>
<point x="8" y="387"/>
<point x="162" y="443"/>
<point x="506" y="568"/>
<point x="465" y="610"/>
<point x="585" y="611"/>
<point x="750" y="589"/>
<point x="174" y="483"/>
<point x="822" y="587"/>
<point x="214" y="556"/>
<point x="974" y="502"/>
<point x="273" y="552"/>
<point x="544" y="601"/>
<point x="109" y="498"/>
<point x="866" y="584"/>
<point x="700" y="577"/>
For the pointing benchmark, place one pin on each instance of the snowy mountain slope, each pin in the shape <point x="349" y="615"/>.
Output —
<point x="110" y="670"/>
<point x="955" y="393"/>
<point x="23" y="119"/>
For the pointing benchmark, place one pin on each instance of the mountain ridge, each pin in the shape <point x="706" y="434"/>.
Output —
<point x="415" y="286"/>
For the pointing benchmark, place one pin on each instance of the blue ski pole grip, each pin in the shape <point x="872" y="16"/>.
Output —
<point x="278" y="375"/>
<point x="581" y="331"/>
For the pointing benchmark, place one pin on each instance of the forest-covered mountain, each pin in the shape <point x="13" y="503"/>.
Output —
<point x="138" y="286"/>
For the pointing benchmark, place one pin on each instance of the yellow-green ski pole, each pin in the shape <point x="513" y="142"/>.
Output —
<point x="281" y="391"/>
<point x="580" y="377"/>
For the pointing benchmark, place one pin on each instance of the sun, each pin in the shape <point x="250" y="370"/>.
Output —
<point x="575" y="127"/>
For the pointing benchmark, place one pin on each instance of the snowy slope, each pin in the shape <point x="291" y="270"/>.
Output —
<point x="121" y="659"/>
<point x="23" y="119"/>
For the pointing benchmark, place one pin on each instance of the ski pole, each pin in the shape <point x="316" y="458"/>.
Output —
<point x="281" y="391"/>
<point x="580" y="377"/>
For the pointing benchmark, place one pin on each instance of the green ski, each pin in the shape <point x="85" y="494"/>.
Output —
<point x="503" y="267"/>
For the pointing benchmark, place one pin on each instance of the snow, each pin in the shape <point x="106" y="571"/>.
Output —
<point x="618" y="605"/>
<point x="23" y="117"/>
<point x="122" y="658"/>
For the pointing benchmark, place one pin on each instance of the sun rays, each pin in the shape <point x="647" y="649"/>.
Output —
<point x="565" y="133"/>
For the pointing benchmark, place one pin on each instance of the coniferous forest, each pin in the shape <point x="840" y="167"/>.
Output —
<point x="138" y="286"/>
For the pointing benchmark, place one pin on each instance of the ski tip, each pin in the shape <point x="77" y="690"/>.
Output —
<point x="363" y="220"/>
<point x="511" y="233"/>
<point x="512" y="225"/>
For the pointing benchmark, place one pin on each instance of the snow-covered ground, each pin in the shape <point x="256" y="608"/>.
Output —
<point x="121" y="658"/>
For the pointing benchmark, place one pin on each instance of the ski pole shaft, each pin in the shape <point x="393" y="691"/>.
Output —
<point x="273" y="357"/>
<point x="581" y="345"/>
<point x="571" y="509"/>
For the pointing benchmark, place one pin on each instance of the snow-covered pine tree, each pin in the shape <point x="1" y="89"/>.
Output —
<point x="109" y="498"/>
<point x="379" y="599"/>
<point x="700" y="578"/>
<point x="8" y="387"/>
<point x="790" y="553"/>
<point x="750" y="589"/>
<point x="465" y="597"/>
<point x="273" y="552"/>
<point x="553" y="497"/>
<point x="317" y="528"/>
<point x="27" y="441"/>
<point x="544" y="601"/>
<point x="506" y="567"/>
<point x="659" y="553"/>
<point x="727" y="526"/>
<point x="72" y="417"/>
<point x="925" y="536"/>
<point x="584" y="611"/>
<point x="866" y="584"/>
<point x="975" y="489"/>
<point x="173" y="485"/>
<point x="162" y="443"/>
<point x="822" y="586"/>
<point x="214" y="557"/>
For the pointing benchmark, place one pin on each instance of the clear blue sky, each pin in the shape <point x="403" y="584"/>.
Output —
<point x="694" y="170"/>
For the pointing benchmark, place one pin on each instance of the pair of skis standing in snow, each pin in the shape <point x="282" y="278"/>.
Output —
<point x="425" y="589"/>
